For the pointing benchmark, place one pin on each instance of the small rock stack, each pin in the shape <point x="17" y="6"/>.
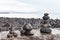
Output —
<point x="27" y="30"/>
<point x="45" y="31"/>
<point x="45" y="25"/>
<point x="11" y="33"/>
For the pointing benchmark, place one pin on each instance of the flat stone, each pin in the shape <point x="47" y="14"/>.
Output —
<point x="45" y="30"/>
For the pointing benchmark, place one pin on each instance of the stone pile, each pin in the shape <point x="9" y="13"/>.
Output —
<point x="27" y="35"/>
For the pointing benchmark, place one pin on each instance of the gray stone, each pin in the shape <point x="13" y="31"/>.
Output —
<point x="27" y="30"/>
<point x="45" y="30"/>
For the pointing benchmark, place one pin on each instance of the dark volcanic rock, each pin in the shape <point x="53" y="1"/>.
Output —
<point x="45" y="30"/>
<point x="17" y="23"/>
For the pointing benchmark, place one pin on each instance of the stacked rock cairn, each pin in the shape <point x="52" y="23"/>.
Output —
<point x="27" y="30"/>
<point x="45" y="25"/>
<point x="11" y="33"/>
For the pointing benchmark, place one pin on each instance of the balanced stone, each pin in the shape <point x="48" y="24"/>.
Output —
<point x="46" y="17"/>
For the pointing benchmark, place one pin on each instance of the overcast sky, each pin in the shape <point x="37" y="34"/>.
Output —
<point x="39" y="7"/>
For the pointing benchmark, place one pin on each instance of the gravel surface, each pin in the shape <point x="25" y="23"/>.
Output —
<point x="36" y="32"/>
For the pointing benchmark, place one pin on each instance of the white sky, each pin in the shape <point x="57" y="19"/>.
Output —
<point x="14" y="5"/>
<point x="39" y="6"/>
<point x="19" y="15"/>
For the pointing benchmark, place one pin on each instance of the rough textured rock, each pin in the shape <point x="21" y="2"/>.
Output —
<point x="19" y="22"/>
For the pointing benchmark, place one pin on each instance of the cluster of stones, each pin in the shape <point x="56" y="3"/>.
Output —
<point x="26" y="30"/>
<point x="25" y="33"/>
